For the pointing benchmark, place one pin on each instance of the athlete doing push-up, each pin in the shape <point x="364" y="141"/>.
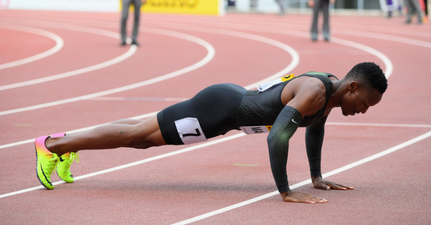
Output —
<point x="278" y="107"/>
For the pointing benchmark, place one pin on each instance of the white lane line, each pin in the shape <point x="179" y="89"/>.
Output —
<point x="300" y="184"/>
<point x="211" y="52"/>
<point x="379" y="125"/>
<point x="111" y="62"/>
<point x="387" y="37"/>
<point x="254" y="28"/>
<point x="388" y="63"/>
<point x="308" y="181"/>
<point x="232" y="33"/>
<point x="295" y="56"/>
<point x="291" y="66"/>
<point x="124" y="56"/>
<point x="285" y="47"/>
<point x="206" y="144"/>
<point x="73" y="131"/>
<point x="204" y="61"/>
<point x="59" y="44"/>
<point x="138" y="99"/>
<point x="299" y="24"/>
<point x="28" y="141"/>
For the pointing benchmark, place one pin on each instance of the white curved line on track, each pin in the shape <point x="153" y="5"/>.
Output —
<point x="228" y="138"/>
<point x="308" y="181"/>
<point x="152" y="159"/>
<point x="149" y="160"/>
<point x="300" y="24"/>
<point x="153" y="113"/>
<point x="387" y="37"/>
<point x="58" y="40"/>
<point x="204" y="61"/>
<point x="132" y="50"/>
<point x="290" y="50"/>
<point x="295" y="56"/>
<point x="370" y="34"/>
<point x="342" y="169"/>
<point x="291" y="66"/>
<point x="211" y="52"/>
<point x="275" y="29"/>
<point x="372" y="51"/>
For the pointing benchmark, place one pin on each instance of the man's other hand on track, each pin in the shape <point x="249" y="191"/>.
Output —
<point x="302" y="197"/>
<point x="320" y="183"/>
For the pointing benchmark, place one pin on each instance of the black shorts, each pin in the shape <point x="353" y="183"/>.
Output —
<point x="209" y="113"/>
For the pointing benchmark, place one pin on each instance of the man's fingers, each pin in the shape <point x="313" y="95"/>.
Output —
<point x="327" y="185"/>
<point x="321" y="200"/>
<point x="340" y="187"/>
<point x="322" y="186"/>
<point x="303" y="198"/>
<point x="337" y="186"/>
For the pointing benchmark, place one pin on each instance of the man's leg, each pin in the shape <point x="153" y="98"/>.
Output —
<point x="280" y="4"/>
<point x="137" y="4"/>
<point x="409" y="11"/>
<point x="416" y="6"/>
<point x="124" y="16"/>
<point x="125" y="133"/>
<point x="314" y="24"/>
<point x="325" y="27"/>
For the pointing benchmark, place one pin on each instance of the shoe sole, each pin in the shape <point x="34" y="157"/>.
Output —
<point x="37" y="174"/>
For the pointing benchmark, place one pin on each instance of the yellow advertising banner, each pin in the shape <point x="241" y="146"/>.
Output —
<point x="202" y="7"/>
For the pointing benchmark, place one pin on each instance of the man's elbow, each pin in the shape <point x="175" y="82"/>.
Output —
<point x="277" y="137"/>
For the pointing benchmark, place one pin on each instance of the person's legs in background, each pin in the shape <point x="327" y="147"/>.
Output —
<point x="325" y="27"/>
<point x="124" y="16"/>
<point x="314" y="31"/>
<point x="137" y="4"/>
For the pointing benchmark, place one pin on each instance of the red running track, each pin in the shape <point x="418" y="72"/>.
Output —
<point x="391" y="189"/>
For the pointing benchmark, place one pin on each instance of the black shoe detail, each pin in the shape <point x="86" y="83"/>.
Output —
<point x="45" y="176"/>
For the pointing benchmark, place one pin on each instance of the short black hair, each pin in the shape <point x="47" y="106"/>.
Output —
<point x="371" y="74"/>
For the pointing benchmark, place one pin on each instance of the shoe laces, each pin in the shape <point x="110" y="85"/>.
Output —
<point x="53" y="161"/>
<point x="74" y="156"/>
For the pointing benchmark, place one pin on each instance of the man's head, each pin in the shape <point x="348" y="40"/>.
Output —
<point x="366" y="84"/>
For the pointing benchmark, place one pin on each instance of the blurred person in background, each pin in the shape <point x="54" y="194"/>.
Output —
<point x="412" y="8"/>
<point x="282" y="10"/>
<point x="125" y="14"/>
<point x="318" y="5"/>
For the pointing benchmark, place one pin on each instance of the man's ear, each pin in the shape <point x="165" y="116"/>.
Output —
<point x="353" y="85"/>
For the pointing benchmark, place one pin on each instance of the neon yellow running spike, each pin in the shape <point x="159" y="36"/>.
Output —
<point x="63" y="167"/>
<point x="46" y="161"/>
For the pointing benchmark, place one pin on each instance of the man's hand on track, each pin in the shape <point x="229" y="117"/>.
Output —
<point x="302" y="197"/>
<point x="320" y="183"/>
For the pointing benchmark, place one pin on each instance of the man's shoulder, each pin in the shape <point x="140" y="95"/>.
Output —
<point x="319" y="74"/>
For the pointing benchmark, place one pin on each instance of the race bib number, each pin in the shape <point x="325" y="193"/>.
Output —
<point x="190" y="130"/>
<point x="268" y="85"/>
<point x="255" y="129"/>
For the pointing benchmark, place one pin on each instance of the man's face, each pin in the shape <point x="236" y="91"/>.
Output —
<point x="358" y="100"/>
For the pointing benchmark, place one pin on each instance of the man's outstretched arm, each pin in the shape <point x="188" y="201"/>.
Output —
<point x="314" y="140"/>
<point x="314" y="135"/>
<point x="284" y="127"/>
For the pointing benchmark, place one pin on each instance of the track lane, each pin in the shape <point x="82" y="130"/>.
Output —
<point x="158" y="201"/>
<point x="58" y="45"/>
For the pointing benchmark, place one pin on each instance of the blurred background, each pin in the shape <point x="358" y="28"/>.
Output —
<point x="376" y="7"/>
